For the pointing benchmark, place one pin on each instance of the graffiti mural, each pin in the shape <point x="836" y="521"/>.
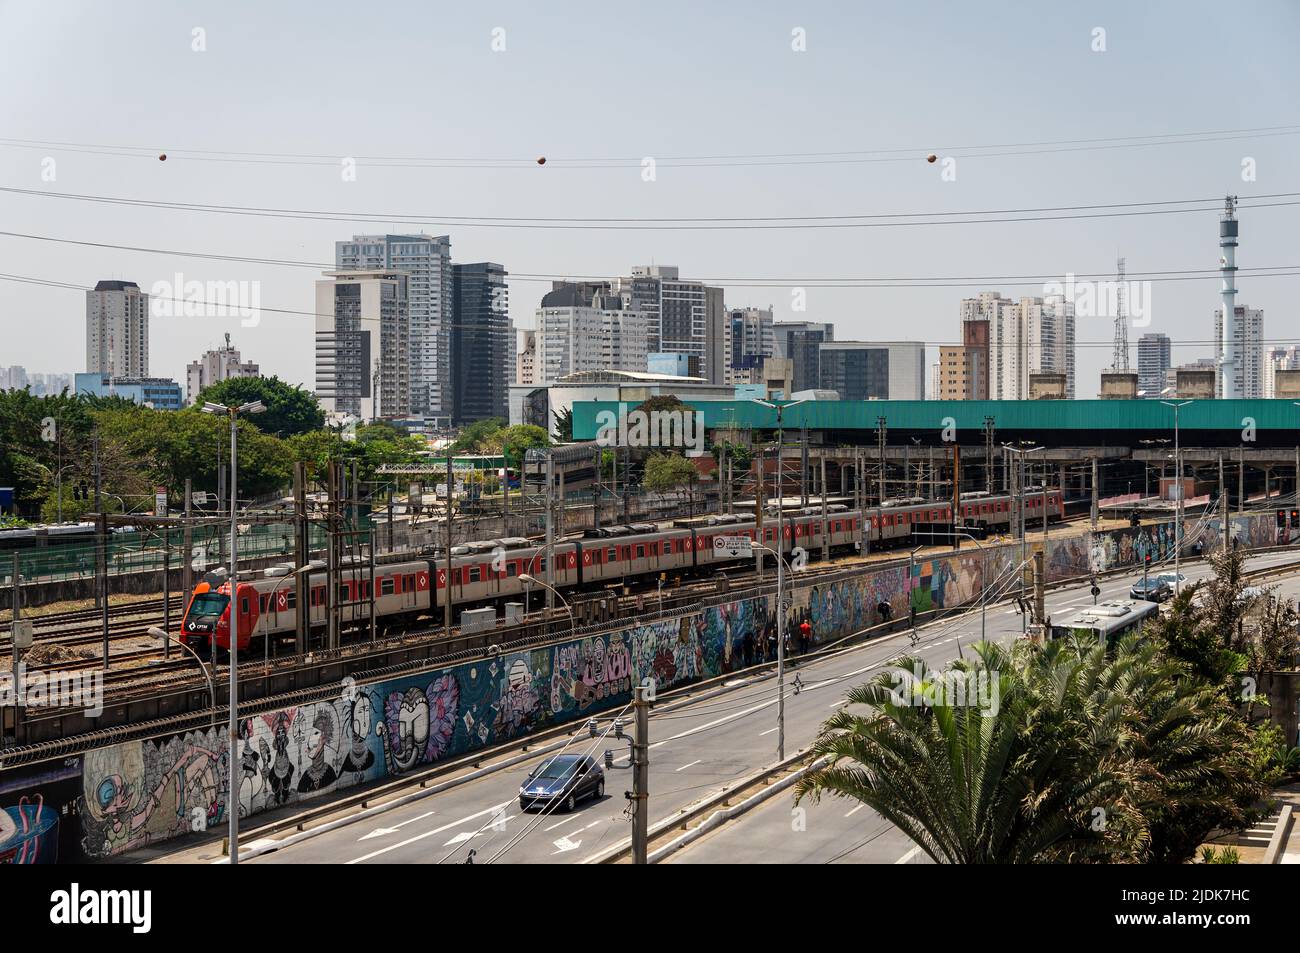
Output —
<point x="39" y="811"/>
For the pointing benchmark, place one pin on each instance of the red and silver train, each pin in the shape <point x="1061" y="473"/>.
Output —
<point x="489" y="572"/>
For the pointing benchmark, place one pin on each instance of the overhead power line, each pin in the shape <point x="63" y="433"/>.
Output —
<point x="861" y="220"/>
<point x="560" y="161"/>
<point x="772" y="281"/>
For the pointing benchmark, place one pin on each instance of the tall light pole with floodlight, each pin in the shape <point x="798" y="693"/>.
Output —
<point x="232" y="754"/>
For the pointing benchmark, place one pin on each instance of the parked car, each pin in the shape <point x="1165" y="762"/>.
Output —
<point x="564" y="779"/>
<point x="1152" y="589"/>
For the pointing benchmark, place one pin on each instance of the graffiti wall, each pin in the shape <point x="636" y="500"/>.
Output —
<point x="142" y="793"/>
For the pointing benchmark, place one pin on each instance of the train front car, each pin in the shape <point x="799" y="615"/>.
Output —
<point x="207" y="619"/>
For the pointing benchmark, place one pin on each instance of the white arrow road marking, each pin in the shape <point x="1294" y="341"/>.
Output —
<point x="460" y="838"/>
<point x="565" y="845"/>
<point x="380" y="831"/>
<point x="437" y="830"/>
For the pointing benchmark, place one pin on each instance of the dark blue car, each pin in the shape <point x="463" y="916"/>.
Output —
<point x="564" y="779"/>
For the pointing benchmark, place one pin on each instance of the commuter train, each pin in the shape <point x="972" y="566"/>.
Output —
<point x="489" y="572"/>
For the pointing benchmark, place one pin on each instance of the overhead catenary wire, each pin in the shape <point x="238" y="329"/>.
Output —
<point x="859" y="220"/>
<point x="825" y="157"/>
<point x="866" y="281"/>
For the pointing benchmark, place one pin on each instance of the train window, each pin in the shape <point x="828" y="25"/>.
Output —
<point x="291" y="599"/>
<point x="640" y="550"/>
<point x="668" y="547"/>
<point x="243" y="605"/>
<point x="261" y="603"/>
<point x="473" y="574"/>
<point x="386" y="586"/>
<point x="408" y="583"/>
<point x="611" y="555"/>
<point x="343" y="592"/>
<point x="512" y="569"/>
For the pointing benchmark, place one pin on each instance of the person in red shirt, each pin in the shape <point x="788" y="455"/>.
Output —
<point x="805" y="637"/>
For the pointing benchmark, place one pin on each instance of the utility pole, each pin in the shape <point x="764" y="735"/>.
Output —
<point x="1178" y="465"/>
<point x="1040" y="591"/>
<point x="595" y="493"/>
<point x="1241" y="479"/>
<point x="550" y="534"/>
<point x="447" y="609"/>
<point x="1223" y="505"/>
<point x="1095" y="512"/>
<point x="989" y="431"/>
<point x="881" y="431"/>
<point x="331" y="554"/>
<point x="640" y="796"/>
<point x="302" y="592"/>
<point x="826" y="536"/>
<point x="760" y="503"/>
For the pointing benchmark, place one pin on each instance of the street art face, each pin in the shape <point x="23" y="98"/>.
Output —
<point x="420" y="723"/>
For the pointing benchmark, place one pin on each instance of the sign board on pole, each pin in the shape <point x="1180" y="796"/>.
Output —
<point x="199" y="497"/>
<point x="160" y="501"/>
<point x="733" y="547"/>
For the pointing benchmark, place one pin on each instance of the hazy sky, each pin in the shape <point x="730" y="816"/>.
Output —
<point x="628" y="80"/>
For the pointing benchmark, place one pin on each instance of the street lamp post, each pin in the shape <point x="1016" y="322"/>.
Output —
<point x="1021" y="523"/>
<point x="780" y="571"/>
<point x="232" y="754"/>
<point x="1178" y="519"/>
<point x="526" y="579"/>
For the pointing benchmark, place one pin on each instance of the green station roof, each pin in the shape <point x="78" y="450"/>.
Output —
<point x="1116" y="419"/>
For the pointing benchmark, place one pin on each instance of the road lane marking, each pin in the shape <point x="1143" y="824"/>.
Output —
<point x="907" y="858"/>
<point x="769" y="731"/>
<point x="567" y="820"/>
<point x="691" y="765"/>
<point x="437" y="830"/>
<point x="855" y="810"/>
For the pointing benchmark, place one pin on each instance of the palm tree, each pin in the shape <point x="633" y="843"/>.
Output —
<point x="1087" y="754"/>
<point x="1000" y="782"/>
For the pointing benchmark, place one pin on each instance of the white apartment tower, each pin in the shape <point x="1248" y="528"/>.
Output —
<point x="361" y="333"/>
<point x="426" y="261"/>
<point x="1248" y="367"/>
<point x="1029" y="336"/>
<point x="214" y="366"/>
<point x="587" y="327"/>
<point x="117" y="330"/>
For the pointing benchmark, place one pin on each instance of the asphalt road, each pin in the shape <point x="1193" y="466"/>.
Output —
<point x="694" y="751"/>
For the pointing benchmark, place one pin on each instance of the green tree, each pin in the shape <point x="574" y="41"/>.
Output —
<point x="289" y="410"/>
<point x="564" y="425"/>
<point x="667" y="471"/>
<point x="516" y="440"/>
<point x="478" y="437"/>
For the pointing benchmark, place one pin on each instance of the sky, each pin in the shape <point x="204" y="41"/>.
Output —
<point x="625" y="81"/>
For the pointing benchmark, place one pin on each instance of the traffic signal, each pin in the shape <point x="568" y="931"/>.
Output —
<point x="1146" y="557"/>
<point x="1281" y="519"/>
<point x="1295" y="518"/>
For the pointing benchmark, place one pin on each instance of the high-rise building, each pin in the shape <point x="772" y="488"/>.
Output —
<point x="874" y="370"/>
<point x="483" y="361"/>
<point x="1248" y="350"/>
<point x="800" y="342"/>
<point x="1279" y="359"/>
<point x="117" y="330"/>
<point x="1154" y="360"/>
<point x="683" y="316"/>
<point x="526" y="357"/>
<point x="426" y="261"/>
<point x="13" y="378"/>
<point x="214" y="366"/>
<point x="362" y="367"/>
<point x="1029" y="336"/>
<point x="588" y="326"/>
<point x="749" y="343"/>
